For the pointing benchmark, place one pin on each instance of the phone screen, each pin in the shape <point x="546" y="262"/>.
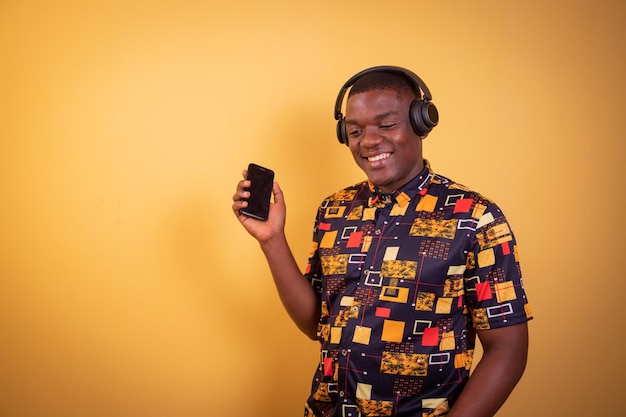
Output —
<point x="261" y="182"/>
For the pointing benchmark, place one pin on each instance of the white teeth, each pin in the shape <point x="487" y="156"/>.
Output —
<point x="378" y="157"/>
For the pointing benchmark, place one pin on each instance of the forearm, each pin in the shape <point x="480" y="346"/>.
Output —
<point x="295" y="291"/>
<point x="495" y="376"/>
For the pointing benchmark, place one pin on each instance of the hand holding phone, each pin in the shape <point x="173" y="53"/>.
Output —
<point x="261" y="183"/>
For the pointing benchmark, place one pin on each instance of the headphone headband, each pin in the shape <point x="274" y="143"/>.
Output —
<point x="408" y="74"/>
<point x="423" y="114"/>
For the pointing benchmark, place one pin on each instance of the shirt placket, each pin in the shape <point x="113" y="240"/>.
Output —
<point x="373" y="264"/>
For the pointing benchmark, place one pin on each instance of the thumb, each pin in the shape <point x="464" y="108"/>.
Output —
<point x="278" y="193"/>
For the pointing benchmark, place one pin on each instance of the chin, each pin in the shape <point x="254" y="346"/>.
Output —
<point x="379" y="182"/>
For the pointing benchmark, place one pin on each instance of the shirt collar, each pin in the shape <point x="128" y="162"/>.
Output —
<point x="404" y="194"/>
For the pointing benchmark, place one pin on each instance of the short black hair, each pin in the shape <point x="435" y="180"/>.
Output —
<point x="380" y="80"/>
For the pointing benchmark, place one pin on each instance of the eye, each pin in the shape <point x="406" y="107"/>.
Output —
<point x="387" y="125"/>
<point x="354" y="132"/>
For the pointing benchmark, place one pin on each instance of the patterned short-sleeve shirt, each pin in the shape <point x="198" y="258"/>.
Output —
<point x="404" y="281"/>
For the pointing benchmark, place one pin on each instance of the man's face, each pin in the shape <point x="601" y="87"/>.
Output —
<point x="381" y="139"/>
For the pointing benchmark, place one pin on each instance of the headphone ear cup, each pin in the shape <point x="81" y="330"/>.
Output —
<point x="342" y="133"/>
<point x="423" y="116"/>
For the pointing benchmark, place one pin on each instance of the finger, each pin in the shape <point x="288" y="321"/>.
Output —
<point x="237" y="206"/>
<point x="241" y="194"/>
<point x="236" y="201"/>
<point x="244" y="185"/>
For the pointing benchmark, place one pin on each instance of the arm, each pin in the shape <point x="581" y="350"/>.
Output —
<point x="497" y="373"/>
<point x="295" y="291"/>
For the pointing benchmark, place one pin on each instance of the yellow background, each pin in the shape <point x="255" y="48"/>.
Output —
<point x="127" y="288"/>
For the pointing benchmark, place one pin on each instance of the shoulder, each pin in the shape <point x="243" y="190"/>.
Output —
<point x="346" y="194"/>
<point x="445" y="185"/>
<point x="464" y="200"/>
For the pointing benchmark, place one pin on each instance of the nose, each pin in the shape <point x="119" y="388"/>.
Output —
<point x="371" y="137"/>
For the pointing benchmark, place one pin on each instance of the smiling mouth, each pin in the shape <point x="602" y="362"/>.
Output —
<point x="378" y="157"/>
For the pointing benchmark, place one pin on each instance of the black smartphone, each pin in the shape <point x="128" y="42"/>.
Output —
<point x="261" y="182"/>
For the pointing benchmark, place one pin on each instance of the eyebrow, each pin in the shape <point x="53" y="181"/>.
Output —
<point x="377" y="118"/>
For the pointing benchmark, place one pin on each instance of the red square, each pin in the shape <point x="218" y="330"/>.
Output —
<point x="463" y="205"/>
<point x="431" y="336"/>
<point x="383" y="312"/>
<point x="506" y="248"/>
<point x="328" y="367"/>
<point x="354" y="241"/>
<point x="423" y="191"/>
<point x="483" y="291"/>
<point x="324" y="226"/>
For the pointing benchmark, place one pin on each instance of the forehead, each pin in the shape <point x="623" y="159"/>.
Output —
<point x="376" y="102"/>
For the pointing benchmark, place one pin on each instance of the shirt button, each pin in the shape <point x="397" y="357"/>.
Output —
<point x="377" y="232"/>
<point x="344" y="352"/>
<point x="342" y="394"/>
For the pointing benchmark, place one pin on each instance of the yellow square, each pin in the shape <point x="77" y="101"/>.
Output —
<point x="367" y="242"/>
<point x="529" y="312"/>
<point x="362" y="335"/>
<point x="356" y="213"/>
<point x="427" y="203"/>
<point x="335" y="334"/>
<point x="500" y="232"/>
<point x="479" y="210"/>
<point x="454" y="287"/>
<point x="444" y="305"/>
<point x="333" y="212"/>
<point x="391" y="253"/>
<point x="486" y="258"/>
<point x="364" y="391"/>
<point x="328" y="241"/>
<point x="346" y="301"/>
<point x="344" y="195"/>
<point x="334" y="264"/>
<point x="505" y="291"/>
<point x="398" y="210"/>
<point x="485" y="220"/>
<point x="464" y="360"/>
<point x="393" y="331"/>
<point x="398" y="269"/>
<point x="432" y="402"/>
<point x="394" y="294"/>
<point x="447" y="341"/>
<point x="459" y="360"/>
<point x="403" y="199"/>
<point x="425" y="301"/>
<point x="369" y="213"/>
<point x="456" y="269"/>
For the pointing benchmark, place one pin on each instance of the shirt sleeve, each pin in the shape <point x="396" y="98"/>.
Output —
<point x="313" y="270"/>
<point x="493" y="278"/>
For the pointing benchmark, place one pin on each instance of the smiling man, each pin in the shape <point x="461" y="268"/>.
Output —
<point x="407" y="268"/>
<point x="380" y="135"/>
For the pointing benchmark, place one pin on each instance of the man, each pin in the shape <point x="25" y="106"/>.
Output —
<point x="407" y="268"/>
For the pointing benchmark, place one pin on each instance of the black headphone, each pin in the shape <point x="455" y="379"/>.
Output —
<point x="422" y="113"/>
